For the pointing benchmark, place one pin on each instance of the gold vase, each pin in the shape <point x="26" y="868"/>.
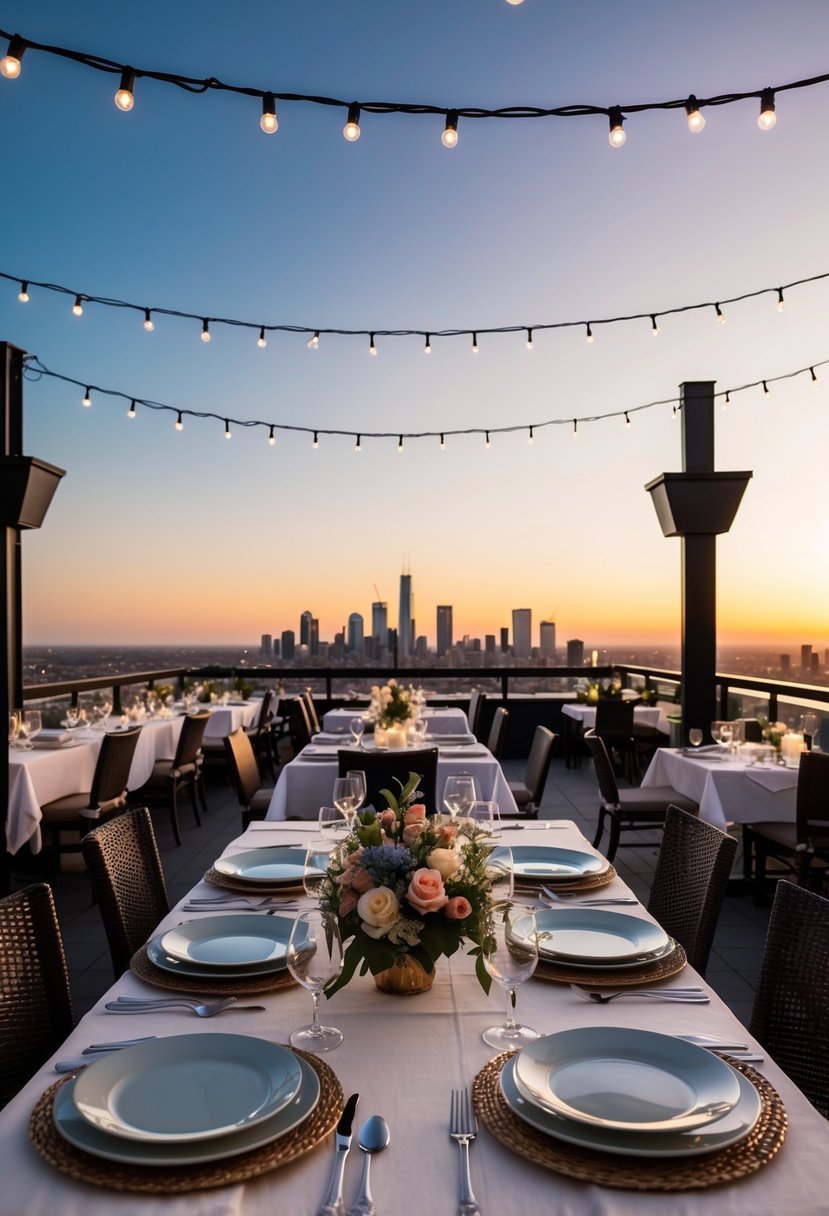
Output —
<point x="405" y="978"/>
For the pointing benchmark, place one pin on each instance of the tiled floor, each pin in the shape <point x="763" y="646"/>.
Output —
<point x="571" y="794"/>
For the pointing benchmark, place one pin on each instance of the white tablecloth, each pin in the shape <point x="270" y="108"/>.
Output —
<point x="643" y="715"/>
<point x="307" y="782"/>
<point x="227" y="718"/>
<point x="441" y="721"/>
<point x="403" y="1056"/>
<point x="728" y="791"/>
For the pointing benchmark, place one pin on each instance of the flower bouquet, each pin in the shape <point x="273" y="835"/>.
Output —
<point x="391" y="705"/>
<point x="406" y="889"/>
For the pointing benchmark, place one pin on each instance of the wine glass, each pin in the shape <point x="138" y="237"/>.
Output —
<point x="73" y="717"/>
<point x="357" y="726"/>
<point x="315" y="957"/>
<point x="334" y="824"/>
<point x="486" y="818"/>
<point x="459" y="794"/>
<point x="359" y="777"/>
<point x="500" y="872"/>
<point x="716" y="728"/>
<point x="346" y="796"/>
<point x="695" y="736"/>
<point x="31" y="725"/>
<point x="810" y="725"/>
<point x="510" y="954"/>
<point x="317" y="860"/>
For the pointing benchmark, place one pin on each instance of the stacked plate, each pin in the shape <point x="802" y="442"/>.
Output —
<point x="279" y="866"/>
<point x="224" y="947"/>
<point x="634" y="1093"/>
<point x="556" y="867"/>
<point x="186" y="1099"/>
<point x="599" y="939"/>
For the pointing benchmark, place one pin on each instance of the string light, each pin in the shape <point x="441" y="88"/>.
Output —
<point x="442" y="443"/>
<point x="271" y="437"/>
<point x="575" y="428"/>
<point x="781" y="303"/>
<point x="588" y="333"/>
<point x="262" y="341"/>
<point x="148" y="321"/>
<point x="351" y="130"/>
<point x="529" y="339"/>
<point x="205" y="330"/>
<point x="269" y="122"/>
<point x="766" y="389"/>
<point x="314" y="341"/>
<point x="474" y="343"/>
<point x="695" y="119"/>
<point x="10" y="63"/>
<point x="124" y="98"/>
<point x="315" y="442"/>
<point x="727" y="400"/>
<point x="427" y="347"/>
<point x="23" y="294"/>
<point x="400" y="444"/>
<point x="358" y="447"/>
<point x="77" y="307"/>
<point x="87" y="399"/>
<point x="179" y="422"/>
<point x="767" y="117"/>
<point x="131" y="410"/>
<point x="627" y="419"/>
<point x="228" y="434"/>
<point x="617" y="135"/>
<point x="674" y="413"/>
<point x="654" y="327"/>
<point x="449" y="138"/>
<point x="815" y="381"/>
<point x="531" y="436"/>
<point x="487" y="444"/>
<point x="372" y="348"/>
<point x="720" y="314"/>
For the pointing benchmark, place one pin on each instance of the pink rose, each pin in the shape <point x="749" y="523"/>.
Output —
<point x="426" y="891"/>
<point x="446" y="834"/>
<point x="361" y="881"/>
<point x="458" y="908"/>
<point x="411" y="833"/>
<point x="348" y="902"/>
<point x="415" y="814"/>
<point x="387" y="820"/>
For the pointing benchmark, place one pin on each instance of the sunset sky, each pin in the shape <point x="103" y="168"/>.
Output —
<point x="183" y="203"/>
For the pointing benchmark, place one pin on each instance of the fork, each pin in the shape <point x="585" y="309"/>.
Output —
<point x="677" y="996"/>
<point x="463" y="1128"/>
<point x="207" y="1009"/>
<point x="588" y="903"/>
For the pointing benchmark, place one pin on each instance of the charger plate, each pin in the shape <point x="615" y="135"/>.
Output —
<point x="182" y="1179"/>
<point x="229" y="940"/>
<point x="249" y="888"/>
<point x="613" y="977"/>
<point x="590" y="882"/>
<point x="756" y="1149"/>
<point x="142" y="966"/>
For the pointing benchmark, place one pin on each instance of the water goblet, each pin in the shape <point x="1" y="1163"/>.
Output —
<point x="31" y="723"/>
<point x="316" y="865"/>
<point x="715" y="731"/>
<point x="500" y="872"/>
<point x="315" y="957"/>
<point x="334" y="824"/>
<point x="73" y="717"/>
<point x="357" y="726"/>
<point x="695" y="736"/>
<point x="358" y="776"/>
<point x="459" y="794"/>
<point x="510" y="954"/>
<point x="486" y="819"/>
<point x="346" y="796"/>
<point x="810" y="725"/>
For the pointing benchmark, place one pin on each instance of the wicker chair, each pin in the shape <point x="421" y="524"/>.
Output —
<point x="629" y="810"/>
<point x="184" y="771"/>
<point x="245" y="777"/>
<point x="473" y="714"/>
<point x="796" y="845"/>
<point x="498" y="732"/>
<point x="690" y="881"/>
<point x="384" y="769"/>
<point x="261" y="738"/>
<point x="35" y="1005"/>
<point x="128" y="882"/>
<point x="791" y="1009"/>
<point x="107" y="796"/>
<point x="529" y="792"/>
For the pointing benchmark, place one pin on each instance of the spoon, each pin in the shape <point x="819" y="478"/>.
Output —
<point x="374" y="1136"/>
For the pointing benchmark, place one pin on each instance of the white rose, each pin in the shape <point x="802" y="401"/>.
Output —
<point x="445" y="861"/>
<point x="378" y="909"/>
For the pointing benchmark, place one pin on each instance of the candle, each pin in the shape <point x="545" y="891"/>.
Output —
<point x="791" y="746"/>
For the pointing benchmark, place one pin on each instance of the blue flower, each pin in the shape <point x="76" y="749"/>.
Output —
<point x="388" y="864"/>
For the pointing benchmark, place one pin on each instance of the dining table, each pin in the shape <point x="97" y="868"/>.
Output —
<point x="404" y="1056"/>
<point x="439" y="720"/>
<point x="643" y="715"/>
<point x="729" y="787"/>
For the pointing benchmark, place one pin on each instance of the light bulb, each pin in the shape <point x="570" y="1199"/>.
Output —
<point x="766" y="389"/>
<point x="487" y="444"/>
<point x="124" y="97"/>
<point x="262" y="341"/>
<point x="314" y="341"/>
<point x="228" y="434"/>
<point x="148" y="321"/>
<point x="400" y="444"/>
<point x="205" y="330"/>
<point x="427" y="348"/>
<point x="23" y="294"/>
<point x="351" y="130"/>
<point x="654" y="327"/>
<point x="179" y="422"/>
<point x="515" y="2"/>
<point x="720" y="314"/>
<point x="449" y="138"/>
<point x="442" y="444"/>
<point x="372" y="349"/>
<point x="529" y="339"/>
<point x="781" y="303"/>
<point x="627" y="418"/>
<point x="315" y="443"/>
<point x="77" y="307"/>
<point x="588" y="333"/>
<point x="474" y="344"/>
<point x="727" y="400"/>
<point x="617" y="134"/>
<point x="575" y="428"/>
<point x="767" y="117"/>
<point x="815" y="381"/>
<point x="87" y="400"/>
<point x="10" y="63"/>
<point x="695" y="119"/>
<point x="271" y="437"/>
<point x="531" y="437"/>
<point x="358" y="447"/>
<point x="131" y="410"/>
<point x="269" y="122"/>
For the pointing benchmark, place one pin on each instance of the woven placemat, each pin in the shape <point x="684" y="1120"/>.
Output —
<point x="141" y="966"/>
<point x="589" y="882"/>
<point x="180" y="1179"/>
<point x="633" y="1173"/>
<point x="648" y="973"/>
<point x="249" y="888"/>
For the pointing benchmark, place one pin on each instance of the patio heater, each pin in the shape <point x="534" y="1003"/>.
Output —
<point x="697" y="505"/>
<point x="26" y="488"/>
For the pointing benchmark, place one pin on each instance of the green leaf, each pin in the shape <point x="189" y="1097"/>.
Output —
<point x="483" y="976"/>
<point x="390" y="799"/>
<point x="351" y="957"/>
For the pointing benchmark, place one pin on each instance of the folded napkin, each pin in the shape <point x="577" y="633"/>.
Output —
<point x="52" y="739"/>
<point x="773" y="779"/>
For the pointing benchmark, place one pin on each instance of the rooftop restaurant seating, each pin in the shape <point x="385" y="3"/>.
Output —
<point x="799" y="845"/>
<point x="498" y="732"/>
<point x="245" y="777"/>
<point x="529" y="792"/>
<point x="384" y="770"/>
<point x="35" y="1005"/>
<point x="473" y="714"/>
<point x="261" y="737"/>
<point x="313" y="719"/>
<point x="184" y="771"/>
<point x="127" y="881"/>
<point x="614" y="726"/>
<point x="629" y="810"/>
<point x="299" y="725"/>
<point x="690" y="881"/>
<point x="791" y="1009"/>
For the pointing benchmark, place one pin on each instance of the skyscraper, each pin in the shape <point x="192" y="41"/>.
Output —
<point x="305" y="628"/>
<point x="805" y="659"/>
<point x="548" y="639"/>
<point x="314" y="636"/>
<point x="266" y="647"/>
<point x="404" y="633"/>
<point x="355" y="632"/>
<point x="444" y="629"/>
<point x="380" y="623"/>
<point x="288" y="644"/>
<point x="575" y="653"/>
<point x="522" y="623"/>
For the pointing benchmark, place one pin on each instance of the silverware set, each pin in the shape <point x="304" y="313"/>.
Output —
<point x="202" y="1009"/>
<point x="95" y="1050"/>
<point x="693" y="995"/>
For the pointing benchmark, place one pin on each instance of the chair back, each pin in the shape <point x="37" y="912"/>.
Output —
<point x="241" y="766"/>
<point x="614" y="720"/>
<point x="476" y="703"/>
<point x="127" y="881"/>
<point x="112" y="770"/>
<point x="690" y="880"/>
<point x="538" y="763"/>
<point x="812" y="797"/>
<point x="605" y="776"/>
<point x="299" y="724"/>
<point x="263" y="722"/>
<point x="35" y="1006"/>
<point x="312" y="712"/>
<point x="190" y="739"/>
<point x="498" y="732"/>
<point x="384" y="769"/>
<point x="791" y="1008"/>
<point x="752" y="731"/>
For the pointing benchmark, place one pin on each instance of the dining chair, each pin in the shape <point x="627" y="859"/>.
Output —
<point x="529" y="792"/>
<point x="313" y="718"/>
<point x="299" y="725"/>
<point x="473" y="714"/>
<point x="245" y="777"/>
<point x="384" y="770"/>
<point x="35" y="1003"/>
<point x="184" y="771"/>
<point x="614" y="726"/>
<point x="106" y="797"/>
<point x="260" y="735"/>
<point x="127" y="880"/>
<point x="498" y="732"/>
<point x="690" y="882"/>
<point x="791" y="1007"/>
<point x="629" y="810"/>
<point x="796" y="846"/>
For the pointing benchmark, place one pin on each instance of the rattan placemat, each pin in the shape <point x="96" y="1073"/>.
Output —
<point x="141" y="966"/>
<point x="177" y="1180"/>
<point x="648" y="973"/>
<point x="633" y="1173"/>
<point x="249" y="888"/>
<point x="590" y="882"/>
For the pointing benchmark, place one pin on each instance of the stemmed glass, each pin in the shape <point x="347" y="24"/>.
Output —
<point x="317" y="860"/>
<point x="810" y="725"/>
<point x="357" y="726"/>
<point x="501" y="873"/>
<point x="346" y="796"/>
<point x="315" y="957"/>
<point x="486" y="817"/>
<point x="695" y="736"/>
<point x="14" y="725"/>
<point x="510" y="954"/>
<point x="459" y="794"/>
<point x="334" y="824"/>
<point x="358" y="776"/>
<point x="30" y="725"/>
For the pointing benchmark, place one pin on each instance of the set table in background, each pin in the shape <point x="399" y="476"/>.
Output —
<point x="440" y="721"/>
<point x="728" y="790"/>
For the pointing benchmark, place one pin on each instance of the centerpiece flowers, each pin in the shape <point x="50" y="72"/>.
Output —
<point x="406" y="889"/>
<point x="773" y="733"/>
<point x="392" y="705"/>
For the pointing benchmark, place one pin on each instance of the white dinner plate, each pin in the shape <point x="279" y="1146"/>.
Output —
<point x="187" y="1087"/>
<point x="543" y="862"/>
<point x="726" y="1131"/>
<point x="626" y="1080"/>
<point x="197" y="971"/>
<point x="83" y="1135"/>
<point x="598" y="936"/>
<point x="280" y="865"/>
<point x="229" y="941"/>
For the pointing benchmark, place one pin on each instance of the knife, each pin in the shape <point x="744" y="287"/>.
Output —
<point x="332" y="1204"/>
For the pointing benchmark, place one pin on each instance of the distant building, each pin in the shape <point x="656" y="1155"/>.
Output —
<point x="266" y="646"/>
<point x="422" y="647"/>
<point x="355" y="632"/>
<point x="288" y="645"/>
<point x="522" y="623"/>
<point x="404" y="633"/>
<point x="575" y="653"/>
<point x="548" y="639"/>
<point x="314" y="637"/>
<point x="489" y="643"/>
<point x="815" y="663"/>
<point x="380" y="624"/>
<point x="305" y="628"/>
<point x="805" y="658"/>
<point x="504" y="640"/>
<point x="444" y="629"/>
